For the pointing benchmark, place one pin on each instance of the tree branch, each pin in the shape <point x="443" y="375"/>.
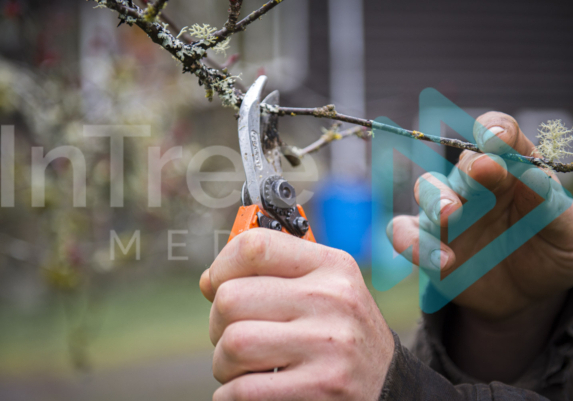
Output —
<point x="329" y="135"/>
<point x="330" y="112"/>
<point x="189" y="40"/>
<point x="190" y="54"/>
<point x="223" y="33"/>
<point x="234" y="11"/>
<point x="154" y="9"/>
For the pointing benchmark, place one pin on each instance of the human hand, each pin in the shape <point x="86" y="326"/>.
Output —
<point x="279" y="301"/>
<point x="541" y="268"/>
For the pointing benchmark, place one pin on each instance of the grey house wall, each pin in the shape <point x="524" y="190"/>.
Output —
<point x="500" y="55"/>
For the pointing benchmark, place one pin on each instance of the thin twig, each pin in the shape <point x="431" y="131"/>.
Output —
<point x="330" y="112"/>
<point x="154" y="9"/>
<point x="223" y="33"/>
<point x="189" y="40"/>
<point x="189" y="55"/>
<point x="163" y="17"/>
<point x="225" y="85"/>
<point x="234" y="12"/>
<point x="333" y="135"/>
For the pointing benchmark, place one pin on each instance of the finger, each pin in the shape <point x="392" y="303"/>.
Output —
<point x="254" y="346"/>
<point x="256" y="298"/>
<point x="437" y="199"/>
<point x="271" y="299"/>
<point x="495" y="133"/>
<point x="205" y="286"/>
<point x="264" y="252"/>
<point x="418" y="246"/>
<point x="499" y="133"/>
<point x="477" y="172"/>
<point x="287" y="385"/>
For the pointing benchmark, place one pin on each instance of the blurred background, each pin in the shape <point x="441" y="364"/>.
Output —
<point x="75" y="325"/>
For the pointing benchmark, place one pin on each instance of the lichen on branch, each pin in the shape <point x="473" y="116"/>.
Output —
<point x="205" y="35"/>
<point x="190" y="55"/>
<point x="554" y="140"/>
<point x="221" y="82"/>
<point x="153" y="10"/>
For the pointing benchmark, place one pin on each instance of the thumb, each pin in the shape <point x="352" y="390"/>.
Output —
<point x="205" y="285"/>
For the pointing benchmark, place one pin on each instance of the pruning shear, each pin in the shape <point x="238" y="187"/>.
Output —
<point x="269" y="201"/>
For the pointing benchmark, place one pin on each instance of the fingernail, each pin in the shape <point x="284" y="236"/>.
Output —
<point x="488" y="134"/>
<point x="496" y="130"/>
<point x="441" y="205"/>
<point x="439" y="259"/>
<point x="444" y="203"/>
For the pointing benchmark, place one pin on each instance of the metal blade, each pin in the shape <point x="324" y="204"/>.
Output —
<point x="257" y="168"/>
<point x="270" y="133"/>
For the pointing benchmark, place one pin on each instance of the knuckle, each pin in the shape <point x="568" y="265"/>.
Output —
<point x="343" y="259"/>
<point x="464" y="154"/>
<point x="336" y="382"/>
<point x="245" y="391"/>
<point x="226" y="299"/>
<point x="429" y="180"/>
<point x="422" y="179"/>
<point x="218" y="368"/>
<point x="345" y="340"/>
<point x="237" y="390"/>
<point x="236" y="340"/>
<point x="403" y="236"/>
<point x="343" y="292"/>
<point x="252" y="245"/>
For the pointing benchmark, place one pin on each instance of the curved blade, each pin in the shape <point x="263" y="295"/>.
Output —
<point x="270" y="133"/>
<point x="257" y="168"/>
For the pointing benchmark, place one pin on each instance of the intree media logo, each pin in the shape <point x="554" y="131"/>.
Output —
<point x="388" y="270"/>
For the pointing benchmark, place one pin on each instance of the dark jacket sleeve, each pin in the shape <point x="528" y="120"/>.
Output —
<point x="550" y="374"/>
<point x="409" y="379"/>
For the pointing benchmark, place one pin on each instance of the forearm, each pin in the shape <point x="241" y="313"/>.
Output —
<point x="500" y="350"/>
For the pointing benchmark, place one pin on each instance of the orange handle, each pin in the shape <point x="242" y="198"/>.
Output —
<point x="247" y="219"/>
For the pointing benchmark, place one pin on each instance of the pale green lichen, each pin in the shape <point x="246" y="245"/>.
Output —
<point x="226" y="90"/>
<point x="201" y="32"/>
<point x="205" y="35"/>
<point x="270" y="108"/>
<point x="554" y="140"/>
<point x="153" y="11"/>
<point x="101" y="4"/>
<point x="222" y="47"/>
<point x="127" y="19"/>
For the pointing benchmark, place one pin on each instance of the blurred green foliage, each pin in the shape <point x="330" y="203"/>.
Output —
<point x="133" y="322"/>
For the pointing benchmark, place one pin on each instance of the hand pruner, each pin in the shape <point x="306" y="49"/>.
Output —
<point x="269" y="201"/>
